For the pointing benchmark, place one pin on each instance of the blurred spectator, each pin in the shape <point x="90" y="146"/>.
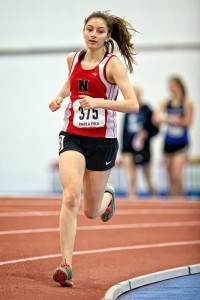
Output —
<point x="177" y="113"/>
<point x="138" y="130"/>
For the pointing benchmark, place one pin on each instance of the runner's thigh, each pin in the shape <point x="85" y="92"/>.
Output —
<point x="72" y="168"/>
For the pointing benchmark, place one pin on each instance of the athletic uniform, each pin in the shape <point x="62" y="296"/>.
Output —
<point x="91" y="132"/>
<point x="176" y="138"/>
<point x="133" y="125"/>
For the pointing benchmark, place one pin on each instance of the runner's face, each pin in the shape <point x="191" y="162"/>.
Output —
<point x="95" y="33"/>
<point x="173" y="87"/>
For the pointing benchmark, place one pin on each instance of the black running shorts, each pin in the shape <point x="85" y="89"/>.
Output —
<point x="171" y="149"/>
<point x="100" y="153"/>
<point x="142" y="157"/>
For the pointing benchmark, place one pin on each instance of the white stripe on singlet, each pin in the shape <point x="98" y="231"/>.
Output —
<point x="111" y="94"/>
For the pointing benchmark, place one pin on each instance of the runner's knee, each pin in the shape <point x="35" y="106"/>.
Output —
<point x="71" y="200"/>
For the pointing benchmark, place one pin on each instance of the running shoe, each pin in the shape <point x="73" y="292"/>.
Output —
<point x="111" y="206"/>
<point x="63" y="275"/>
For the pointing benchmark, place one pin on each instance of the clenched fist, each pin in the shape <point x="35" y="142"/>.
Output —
<point x="56" y="103"/>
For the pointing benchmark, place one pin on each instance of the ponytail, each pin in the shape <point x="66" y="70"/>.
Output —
<point x="120" y="31"/>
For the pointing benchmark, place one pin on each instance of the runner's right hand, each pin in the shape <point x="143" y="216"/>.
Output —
<point x="56" y="103"/>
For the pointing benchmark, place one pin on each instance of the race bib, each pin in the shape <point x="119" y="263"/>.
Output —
<point x="175" y="131"/>
<point x="88" y="118"/>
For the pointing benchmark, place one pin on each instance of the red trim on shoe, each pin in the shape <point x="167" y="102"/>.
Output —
<point x="63" y="275"/>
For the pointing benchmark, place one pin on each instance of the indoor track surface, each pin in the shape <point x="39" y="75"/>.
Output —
<point x="144" y="236"/>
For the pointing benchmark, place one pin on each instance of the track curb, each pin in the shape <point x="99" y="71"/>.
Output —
<point x="122" y="287"/>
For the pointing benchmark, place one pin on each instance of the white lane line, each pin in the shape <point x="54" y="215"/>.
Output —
<point x="118" y="212"/>
<point x="26" y="231"/>
<point x="17" y="199"/>
<point x="106" y="227"/>
<point x="30" y="203"/>
<point x="29" y="214"/>
<point x="104" y="250"/>
<point x="156" y="211"/>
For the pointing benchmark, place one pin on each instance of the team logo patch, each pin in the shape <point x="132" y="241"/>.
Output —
<point x="83" y="85"/>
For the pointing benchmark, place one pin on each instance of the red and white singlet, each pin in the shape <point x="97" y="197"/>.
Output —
<point x="96" y="122"/>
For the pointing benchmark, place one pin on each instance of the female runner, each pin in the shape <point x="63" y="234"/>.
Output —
<point x="87" y="143"/>
<point x="177" y="114"/>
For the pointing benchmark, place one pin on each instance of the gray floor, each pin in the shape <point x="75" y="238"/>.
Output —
<point x="181" y="288"/>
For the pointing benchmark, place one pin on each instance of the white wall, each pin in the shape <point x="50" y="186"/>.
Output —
<point x="28" y="23"/>
<point x="28" y="134"/>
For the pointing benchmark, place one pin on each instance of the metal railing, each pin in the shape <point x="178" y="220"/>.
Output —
<point x="118" y="178"/>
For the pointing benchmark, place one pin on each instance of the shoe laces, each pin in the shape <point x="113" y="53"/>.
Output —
<point x="65" y="265"/>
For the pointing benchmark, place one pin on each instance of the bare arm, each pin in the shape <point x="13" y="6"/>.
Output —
<point x="64" y="92"/>
<point x="186" y="120"/>
<point x="117" y="74"/>
<point x="159" y="115"/>
<point x="189" y="113"/>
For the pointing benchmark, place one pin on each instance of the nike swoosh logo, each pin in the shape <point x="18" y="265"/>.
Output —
<point x="107" y="163"/>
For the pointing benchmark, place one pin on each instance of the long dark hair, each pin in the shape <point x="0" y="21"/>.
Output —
<point x="119" y="29"/>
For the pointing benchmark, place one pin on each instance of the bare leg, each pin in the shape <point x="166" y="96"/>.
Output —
<point x="168" y="164"/>
<point x="147" y="174"/>
<point x="95" y="200"/>
<point x="131" y="172"/>
<point x="72" y="168"/>
<point x="178" y="164"/>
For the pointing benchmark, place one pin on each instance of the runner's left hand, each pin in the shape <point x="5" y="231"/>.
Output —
<point x="87" y="102"/>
